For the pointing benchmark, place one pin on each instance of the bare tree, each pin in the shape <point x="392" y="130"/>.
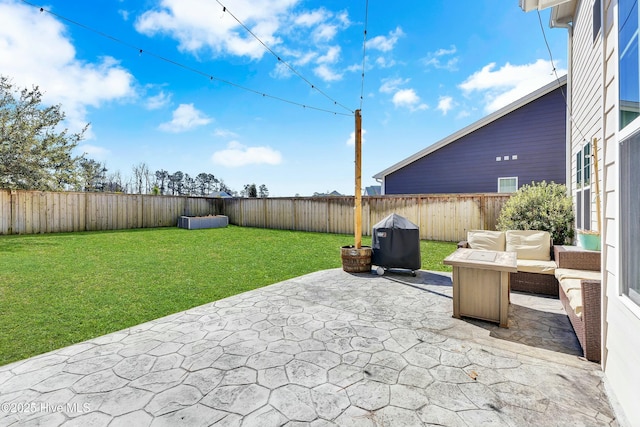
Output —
<point x="114" y="183"/>
<point x="141" y="178"/>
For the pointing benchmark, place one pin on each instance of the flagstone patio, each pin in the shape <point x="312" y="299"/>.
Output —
<point x="329" y="348"/>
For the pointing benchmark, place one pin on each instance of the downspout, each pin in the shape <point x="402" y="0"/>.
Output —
<point x="568" y="98"/>
<point x="381" y="182"/>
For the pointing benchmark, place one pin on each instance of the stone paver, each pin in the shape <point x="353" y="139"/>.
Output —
<point x="326" y="349"/>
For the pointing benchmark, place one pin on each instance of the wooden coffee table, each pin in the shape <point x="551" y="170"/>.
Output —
<point x="481" y="284"/>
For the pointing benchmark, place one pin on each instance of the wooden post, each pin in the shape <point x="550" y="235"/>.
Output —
<point x="358" y="190"/>
<point x="597" y="173"/>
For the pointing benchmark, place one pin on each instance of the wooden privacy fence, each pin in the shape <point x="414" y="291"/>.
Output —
<point x="440" y="217"/>
<point x="30" y="212"/>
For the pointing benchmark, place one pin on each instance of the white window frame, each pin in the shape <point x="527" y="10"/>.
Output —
<point x="623" y="136"/>
<point x="630" y="269"/>
<point x="505" y="178"/>
<point x="583" y="187"/>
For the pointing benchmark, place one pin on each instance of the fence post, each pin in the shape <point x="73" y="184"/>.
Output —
<point x="483" y="208"/>
<point x="12" y="214"/>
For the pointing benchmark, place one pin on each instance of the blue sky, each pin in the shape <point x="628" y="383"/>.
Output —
<point x="431" y="68"/>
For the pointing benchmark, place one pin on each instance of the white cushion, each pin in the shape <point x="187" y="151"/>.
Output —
<point x="486" y="239"/>
<point x="575" y="301"/>
<point x="536" y="266"/>
<point x="570" y="282"/>
<point x="529" y="244"/>
<point x="568" y="285"/>
<point x="569" y="273"/>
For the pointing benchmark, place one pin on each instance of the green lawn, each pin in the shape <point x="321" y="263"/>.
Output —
<point x="59" y="289"/>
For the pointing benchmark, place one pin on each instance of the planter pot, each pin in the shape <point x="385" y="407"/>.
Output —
<point x="356" y="260"/>
<point x="589" y="240"/>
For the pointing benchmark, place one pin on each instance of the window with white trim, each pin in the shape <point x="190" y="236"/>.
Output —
<point x="629" y="149"/>
<point x="508" y="184"/>
<point x="583" y="188"/>
<point x="629" y="217"/>
<point x="629" y="83"/>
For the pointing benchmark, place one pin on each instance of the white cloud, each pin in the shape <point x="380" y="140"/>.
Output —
<point x="158" y="101"/>
<point x="53" y="66"/>
<point x="331" y="57"/>
<point x="327" y="74"/>
<point x="343" y="18"/>
<point x="309" y="19"/>
<point x="383" y="62"/>
<point x="509" y="83"/>
<point x="385" y="44"/>
<point x="225" y="133"/>
<point x="93" y="151"/>
<point x="306" y="58"/>
<point x="392" y="85"/>
<point x="463" y="114"/>
<point x="185" y="117"/>
<point x="437" y="59"/>
<point x="325" y="32"/>
<point x="325" y="25"/>
<point x="404" y="98"/>
<point x="352" y="138"/>
<point x="280" y="71"/>
<point x="445" y="104"/>
<point x="201" y="25"/>
<point x="407" y="98"/>
<point x="124" y="14"/>
<point x="236" y="155"/>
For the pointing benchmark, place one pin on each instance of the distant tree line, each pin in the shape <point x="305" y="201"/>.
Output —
<point x="93" y="177"/>
<point x="250" y="190"/>
<point x="36" y="155"/>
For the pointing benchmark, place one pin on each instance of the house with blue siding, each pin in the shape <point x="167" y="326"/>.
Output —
<point x="518" y="144"/>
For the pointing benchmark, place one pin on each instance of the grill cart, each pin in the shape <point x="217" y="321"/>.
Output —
<point x="396" y="244"/>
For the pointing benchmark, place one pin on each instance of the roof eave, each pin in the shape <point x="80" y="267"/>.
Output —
<point x="562" y="15"/>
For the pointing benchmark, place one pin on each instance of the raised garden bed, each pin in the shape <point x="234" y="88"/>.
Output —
<point x="197" y="222"/>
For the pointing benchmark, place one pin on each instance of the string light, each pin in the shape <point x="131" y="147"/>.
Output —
<point x="364" y="51"/>
<point x="555" y="72"/>
<point x="184" y="66"/>
<point x="286" y="64"/>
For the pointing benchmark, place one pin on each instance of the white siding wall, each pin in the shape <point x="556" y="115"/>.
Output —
<point x="621" y="333"/>
<point x="587" y="93"/>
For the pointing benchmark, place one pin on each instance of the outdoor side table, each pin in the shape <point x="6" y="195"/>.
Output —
<point x="481" y="284"/>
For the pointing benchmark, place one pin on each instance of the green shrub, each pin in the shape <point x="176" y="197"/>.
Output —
<point x="540" y="206"/>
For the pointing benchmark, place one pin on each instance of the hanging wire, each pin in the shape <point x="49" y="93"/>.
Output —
<point x="364" y="51"/>
<point x="555" y="72"/>
<point x="280" y="60"/>
<point x="181" y="65"/>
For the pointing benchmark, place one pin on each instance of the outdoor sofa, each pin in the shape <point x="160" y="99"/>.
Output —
<point x="579" y="276"/>
<point x="566" y="272"/>
<point x="534" y="250"/>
